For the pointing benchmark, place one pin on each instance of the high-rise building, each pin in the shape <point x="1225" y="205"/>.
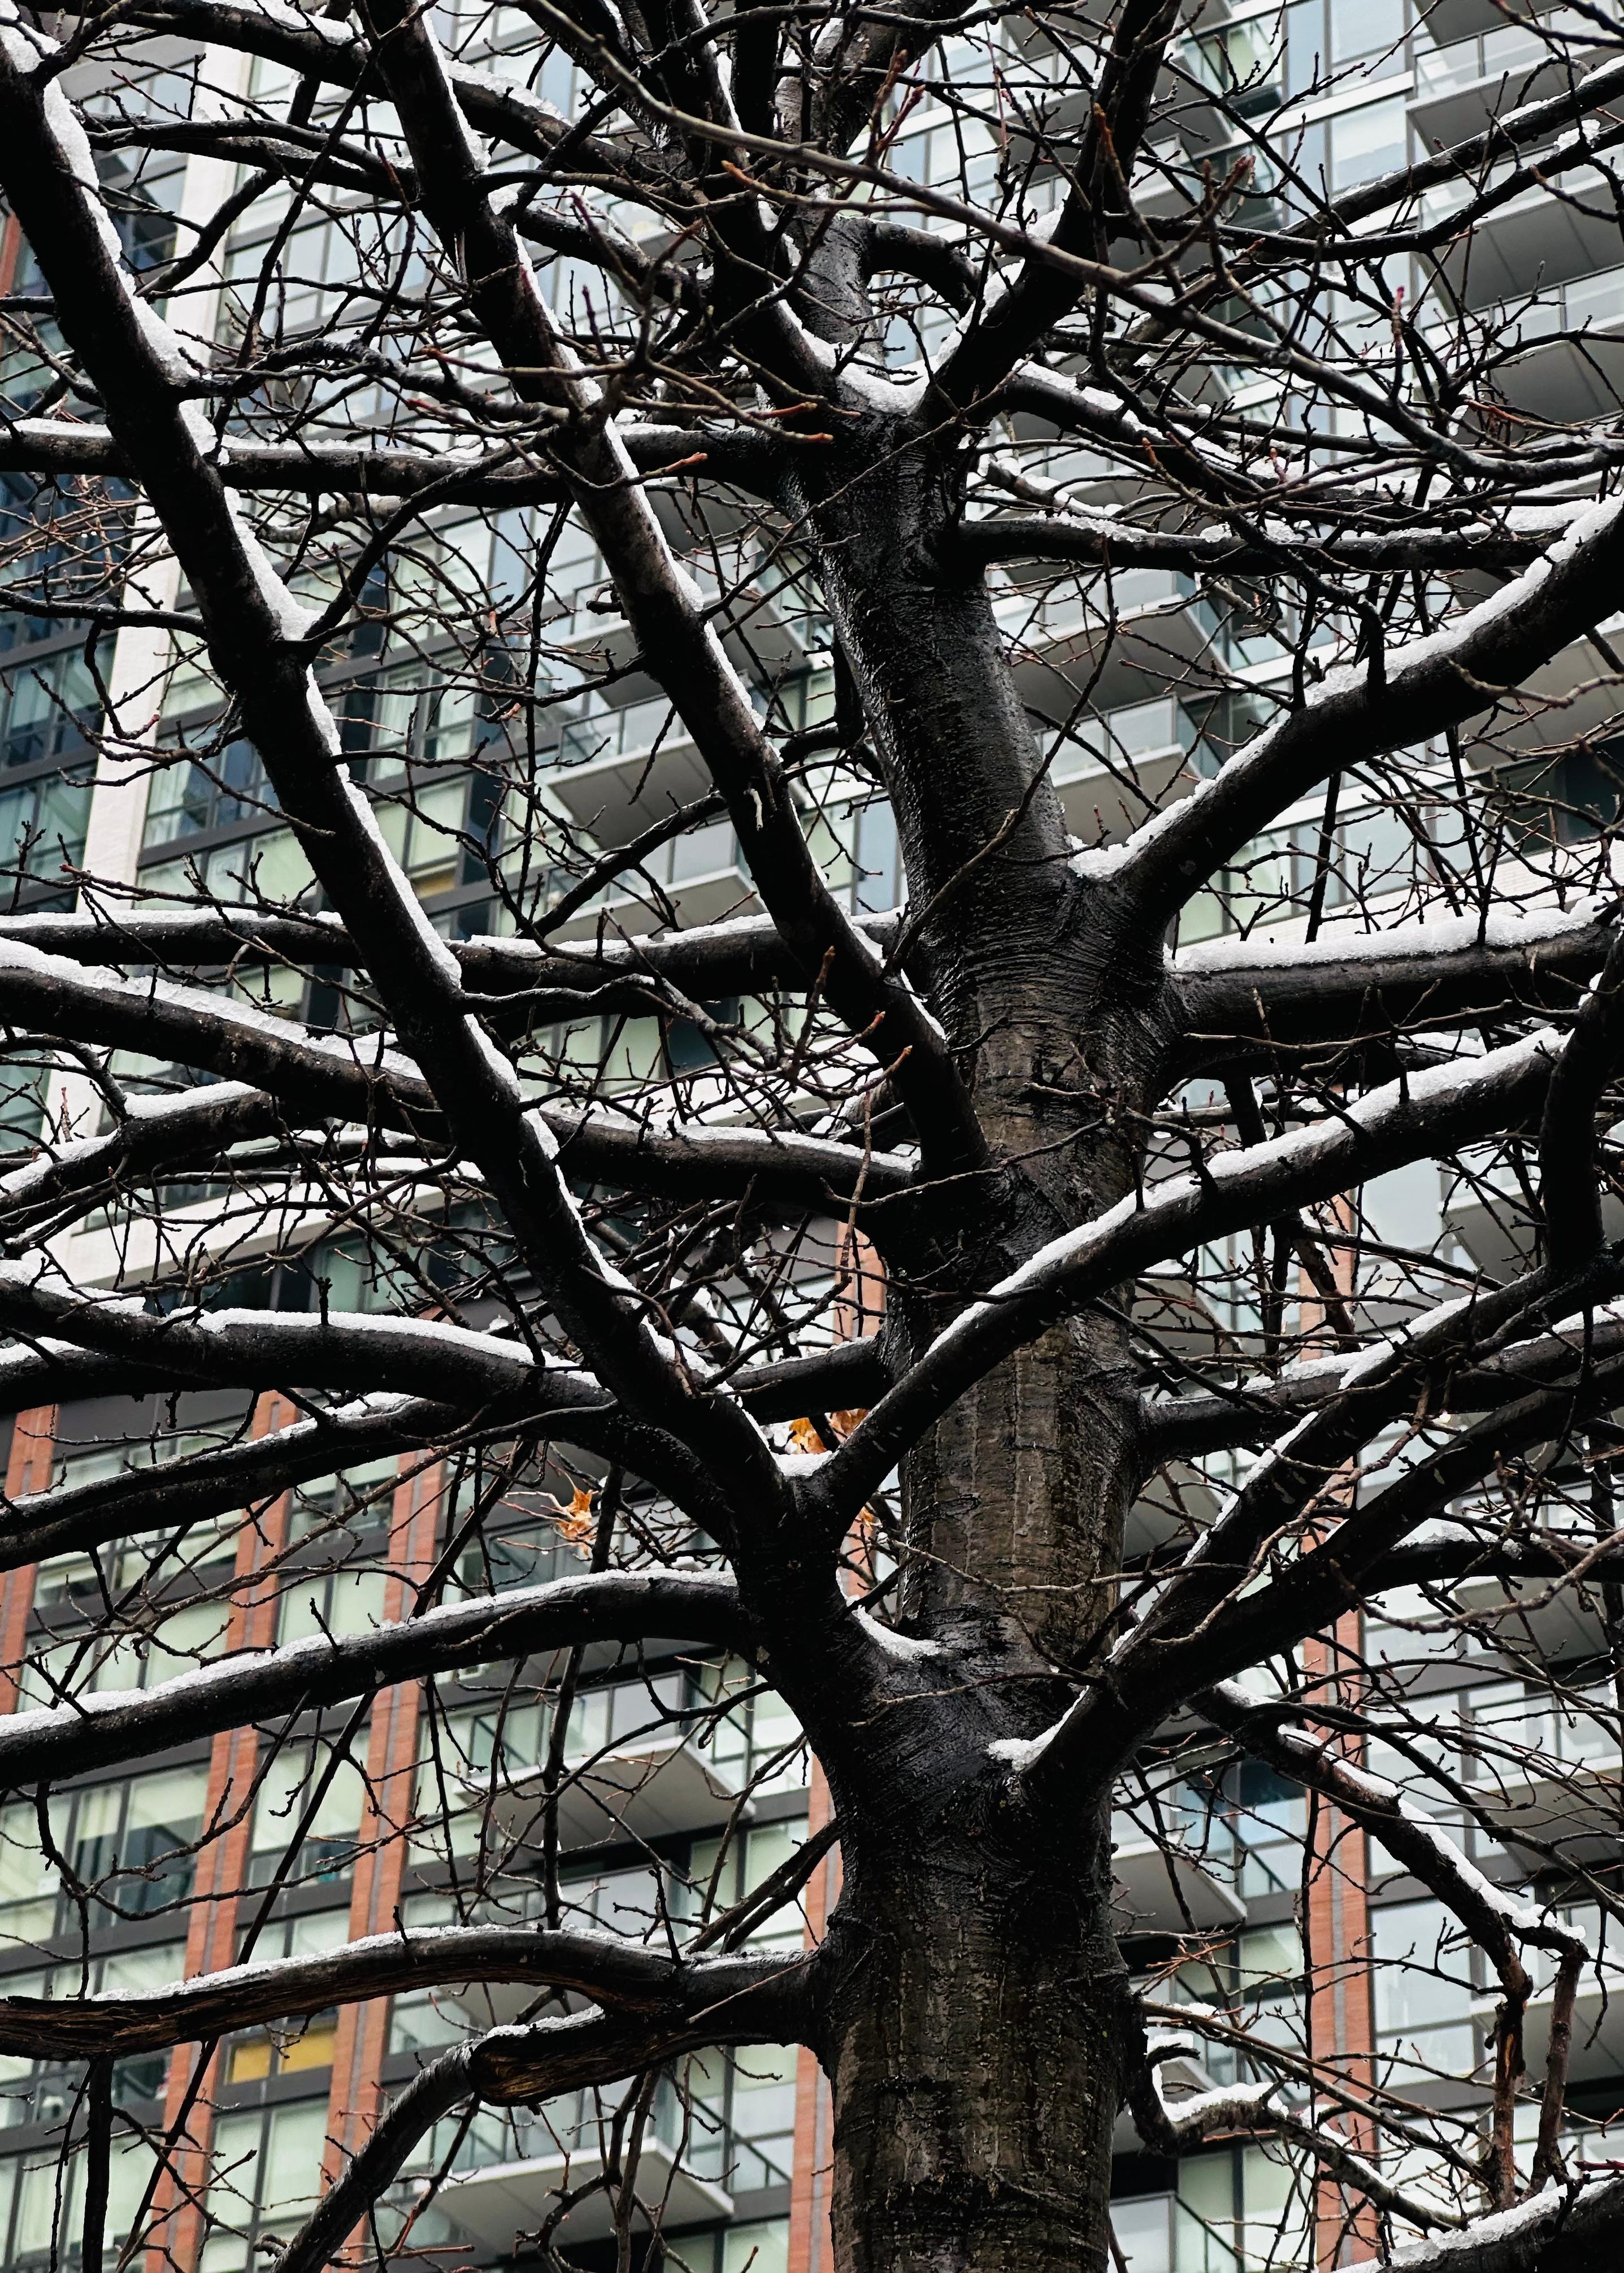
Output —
<point x="674" y="1784"/>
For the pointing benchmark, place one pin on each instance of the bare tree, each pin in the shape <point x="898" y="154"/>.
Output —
<point x="956" y="1295"/>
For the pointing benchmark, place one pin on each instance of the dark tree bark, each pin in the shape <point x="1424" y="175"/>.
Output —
<point x="937" y="1268"/>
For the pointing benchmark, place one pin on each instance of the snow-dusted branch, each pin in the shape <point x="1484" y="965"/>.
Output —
<point x="76" y="1518"/>
<point x="1104" y="540"/>
<point x="51" y="447"/>
<point x="1500" y="1926"/>
<point x="1564" y="2230"/>
<point x="1435" y="1112"/>
<point x="1256" y="1411"/>
<point x="358" y="1079"/>
<point x="1360" y="710"/>
<point x="1206" y="1627"/>
<point x="111" y="1726"/>
<point x="610" y="1969"/>
<point x="1240" y="999"/>
<point x="1172" y="2128"/>
<point x="744" y="956"/>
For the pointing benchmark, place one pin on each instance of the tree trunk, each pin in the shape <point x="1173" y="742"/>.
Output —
<point x="975" y="2048"/>
<point x="979" y="2024"/>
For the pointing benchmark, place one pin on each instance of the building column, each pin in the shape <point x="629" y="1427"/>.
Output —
<point x="362" y="2038"/>
<point x="219" y="1889"/>
<point x="27" y="1469"/>
<point x="1335" y="1920"/>
<point x="1336" y="1948"/>
<point x="859" y="1309"/>
<point x="809" y="2238"/>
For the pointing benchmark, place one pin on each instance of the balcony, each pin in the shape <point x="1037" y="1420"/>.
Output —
<point x="496" y="2200"/>
<point x="766" y="622"/>
<point x="1150" y="743"/>
<point x="1451" y="21"/>
<point x="506" y="2198"/>
<point x="1597" y="2049"/>
<point x="1129" y="632"/>
<point x="1549" y="1777"/>
<point x="1459" y="88"/>
<point x="1533" y="242"/>
<point x="1557" y="377"/>
<point x="1157" y="2233"/>
<point x="697" y="879"/>
<point x="1162" y="1891"/>
<point x="1596" y="2053"/>
<point x="618" y="771"/>
<point x="660" y="1786"/>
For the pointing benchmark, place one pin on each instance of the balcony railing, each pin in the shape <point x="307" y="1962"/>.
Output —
<point x="1157" y="2233"/>
<point x="514" y="2170"/>
<point x="660" y="1786"/>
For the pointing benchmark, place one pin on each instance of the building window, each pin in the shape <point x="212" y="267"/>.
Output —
<point x="266" y="2177"/>
<point x="130" y="1844"/>
<point x="1365" y="143"/>
<point x="1424" y="1994"/>
<point x="289" y="1787"/>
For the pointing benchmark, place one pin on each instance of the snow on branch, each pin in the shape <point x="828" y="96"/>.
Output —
<point x="111" y="1726"/>
<point x="1172" y="2127"/>
<point x="78" y="1518"/>
<point x="357" y="1077"/>
<point x="1437" y="1110"/>
<point x="1095" y="539"/>
<point x="1242" y="998"/>
<point x="1358" y="711"/>
<point x="741" y="956"/>
<point x="612" y="1969"/>
<point x="1566" y="2228"/>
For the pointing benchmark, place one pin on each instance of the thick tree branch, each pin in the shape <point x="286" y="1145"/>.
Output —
<point x="745" y="956"/>
<point x="1012" y="324"/>
<point x="357" y="1078"/>
<point x="1435" y="1113"/>
<point x="1565" y="2229"/>
<point x="610" y="1969"/>
<point x="52" y="448"/>
<point x="75" y="1519"/>
<point x="109" y="1727"/>
<point x="1099" y="540"/>
<point x="1240" y="1000"/>
<point x="1359" y="711"/>
<point x="1569" y="1187"/>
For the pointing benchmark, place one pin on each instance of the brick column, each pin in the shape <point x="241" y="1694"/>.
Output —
<point x="381" y="1867"/>
<point x="1336" y="1940"/>
<point x="28" y="1469"/>
<point x="860" y="1306"/>
<point x="218" y="1890"/>
<point x="809" y="2245"/>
